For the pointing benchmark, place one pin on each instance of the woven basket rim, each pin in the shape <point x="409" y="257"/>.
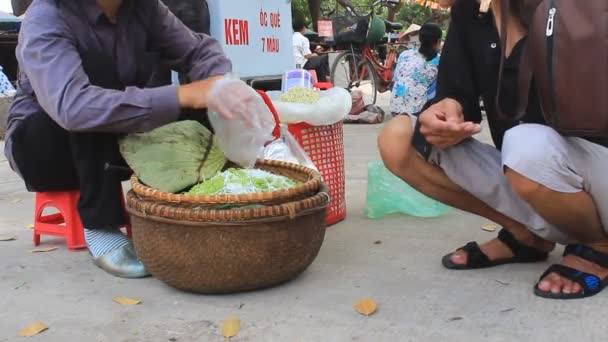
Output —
<point x="311" y="186"/>
<point x="203" y="224"/>
<point x="147" y="208"/>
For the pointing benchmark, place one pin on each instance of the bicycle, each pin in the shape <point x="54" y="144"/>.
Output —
<point x="359" y="67"/>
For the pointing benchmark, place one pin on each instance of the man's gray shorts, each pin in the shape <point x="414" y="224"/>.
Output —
<point x="538" y="152"/>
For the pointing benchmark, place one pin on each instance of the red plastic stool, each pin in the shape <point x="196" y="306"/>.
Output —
<point x="317" y="84"/>
<point x="66" y="223"/>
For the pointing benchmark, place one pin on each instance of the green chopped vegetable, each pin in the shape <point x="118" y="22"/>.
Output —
<point x="173" y="157"/>
<point x="300" y="95"/>
<point x="242" y="181"/>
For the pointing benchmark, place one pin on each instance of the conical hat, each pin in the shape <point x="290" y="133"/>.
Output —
<point x="410" y="30"/>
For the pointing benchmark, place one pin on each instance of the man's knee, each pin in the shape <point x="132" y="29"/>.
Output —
<point x="529" y="149"/>
<point x="531" y="143"/>
<point x="395" y="143"/>
<point x="526" y="188"/>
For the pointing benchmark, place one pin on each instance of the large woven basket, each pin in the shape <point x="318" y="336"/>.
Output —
<point x="311" y="182"/>
<point x="224" y="251"/>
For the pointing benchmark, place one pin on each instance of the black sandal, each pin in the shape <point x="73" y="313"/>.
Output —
<point x="591" y="284"/>
<point x="477" y="259"/>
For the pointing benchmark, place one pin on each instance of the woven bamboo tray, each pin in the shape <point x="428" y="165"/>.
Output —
<point x="310" y="178"/>
<point x="208" y="252"/>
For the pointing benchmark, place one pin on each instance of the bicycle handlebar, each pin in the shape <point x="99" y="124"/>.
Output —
<point x="384" y="3"/>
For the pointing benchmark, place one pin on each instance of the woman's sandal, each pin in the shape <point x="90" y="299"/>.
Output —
<point x="477" y="259"/>
<point x="590" y="284"/>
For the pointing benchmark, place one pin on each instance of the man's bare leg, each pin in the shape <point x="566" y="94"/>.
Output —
<point x="576" y="215"/>
<point x="401" y="158"/>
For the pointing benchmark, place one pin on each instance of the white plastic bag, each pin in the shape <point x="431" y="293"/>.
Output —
<point x="241" y="137"/>
<point x="333" y="106"/>
<point x="287" y="149"/>
<point x="278" y="150"/>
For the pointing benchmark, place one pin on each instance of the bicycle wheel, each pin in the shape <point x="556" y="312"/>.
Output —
<point x="353" y="72"/>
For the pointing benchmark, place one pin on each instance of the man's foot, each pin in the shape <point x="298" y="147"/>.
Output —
<point x="583" y="273"/>
<point x="497" y="250"/>
<point x="506" y="248"/>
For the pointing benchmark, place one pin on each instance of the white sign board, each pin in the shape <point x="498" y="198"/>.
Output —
<point x="255" y="34"/>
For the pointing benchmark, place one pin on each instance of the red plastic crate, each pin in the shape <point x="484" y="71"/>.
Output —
<point x="325" y="146"/>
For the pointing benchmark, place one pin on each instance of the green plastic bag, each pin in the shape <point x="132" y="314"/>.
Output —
<point x="377" y="29"/>
<point x="388" y="194"/>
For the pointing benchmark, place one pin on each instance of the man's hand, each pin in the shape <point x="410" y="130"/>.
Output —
<point x="443" y="124"/>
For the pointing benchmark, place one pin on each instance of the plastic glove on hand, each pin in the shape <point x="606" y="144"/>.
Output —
<point x="242" y="122"/>
<point x="234" y="99"/>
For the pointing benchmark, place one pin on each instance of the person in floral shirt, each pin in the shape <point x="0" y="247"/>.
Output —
<point x="6" y="87"/>
<point x="416" y="72"/>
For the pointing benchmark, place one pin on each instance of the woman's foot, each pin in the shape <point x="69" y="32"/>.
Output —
<point x="113" y="252"/>
<point x="557" y="284"/>
<point x="496" y="249"/>
<point x="122" y="262"/>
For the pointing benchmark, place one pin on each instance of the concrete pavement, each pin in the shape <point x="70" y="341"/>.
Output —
<point x="418" y="299"/>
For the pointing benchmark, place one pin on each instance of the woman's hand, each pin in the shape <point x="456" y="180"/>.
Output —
<point x="234" y="99"/>
<point x="443" y="124"/>
<point x="196" y="94"/>
<point x="231" y="98"/>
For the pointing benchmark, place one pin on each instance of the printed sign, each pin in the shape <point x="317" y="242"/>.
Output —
<point x="326" y="28"/>
<point x="255" y="34"/>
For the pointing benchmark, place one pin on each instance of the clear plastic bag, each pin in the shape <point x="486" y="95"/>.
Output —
<point x="388" y="194"/>
<point x="333" y="106"/>
<point x="241" y="137"/>
<point x="287" y="149"/>
<point x="296" y="78"/>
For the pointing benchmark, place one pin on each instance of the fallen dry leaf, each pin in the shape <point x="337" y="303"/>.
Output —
<point x="489" y="227"/>
<point x="33" y="329"/>
<point x="43" y="250"/>
<point x="231" y="327"/>
<point x="7" y="238"/>
<point x="16" y="200"/>
<point x="30" y="226"/>
<point x="366" y="307"/>
<point x="126" y="301"/>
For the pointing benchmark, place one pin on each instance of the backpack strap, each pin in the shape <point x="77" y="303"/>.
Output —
<point x="505" y="8"/>
<point x="524" y="72"/>
<point x="524" y="83"/>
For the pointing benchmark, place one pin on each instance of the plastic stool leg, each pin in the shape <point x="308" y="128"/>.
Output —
<point x="39" y="208"/>
<point x="75" y="237"/>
